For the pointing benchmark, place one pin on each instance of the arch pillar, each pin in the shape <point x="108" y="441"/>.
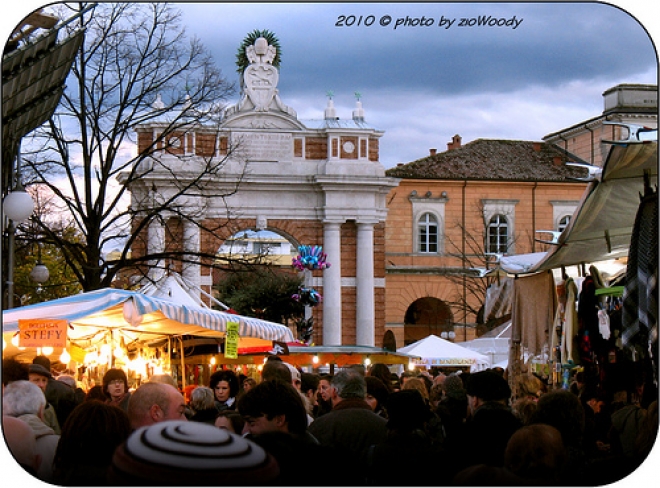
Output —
<point x="332" y="284"/>
<point x="365" y="308"/>
<point x="156" y="245"/>
<point x="190" y="271"/>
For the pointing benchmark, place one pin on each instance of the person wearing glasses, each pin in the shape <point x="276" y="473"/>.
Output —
<point x="115" y="387"/>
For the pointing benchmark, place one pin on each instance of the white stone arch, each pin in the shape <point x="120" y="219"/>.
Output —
<point x="340" y="202"/>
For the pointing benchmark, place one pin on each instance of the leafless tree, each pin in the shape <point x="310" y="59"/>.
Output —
<point x="137" y="66"/>
<point x="470" y="278"/>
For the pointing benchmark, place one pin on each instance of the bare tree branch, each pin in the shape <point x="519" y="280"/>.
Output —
<point x="86" y="158"/>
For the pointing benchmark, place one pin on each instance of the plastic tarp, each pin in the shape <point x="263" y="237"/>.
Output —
<point x="435" y="351"/>
<point x="601" y="227"/>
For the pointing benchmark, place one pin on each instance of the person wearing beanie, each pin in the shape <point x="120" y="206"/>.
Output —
<point x="115" y="387"/>
<point x="181" y="453"/>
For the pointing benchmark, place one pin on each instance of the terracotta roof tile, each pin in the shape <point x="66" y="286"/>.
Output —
<point x="494" y="159"/>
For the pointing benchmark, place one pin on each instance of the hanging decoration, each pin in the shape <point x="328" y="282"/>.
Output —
<point x="308" y="297"/>
<point x="311" y="258"/>
<point x="305" y="328"/>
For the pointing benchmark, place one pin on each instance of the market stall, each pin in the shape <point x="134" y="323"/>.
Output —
<point x="433" y="351"/>
<point x="494" y="344"/>
<point x="114" y="325"/>
<point x="606" y="225"/>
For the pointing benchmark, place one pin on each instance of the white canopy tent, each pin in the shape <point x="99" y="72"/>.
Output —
<point x="494" y="346"/>
<point x="435" y="351"/>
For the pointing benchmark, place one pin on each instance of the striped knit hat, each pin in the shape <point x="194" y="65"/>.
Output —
<point x="180" y="453"/>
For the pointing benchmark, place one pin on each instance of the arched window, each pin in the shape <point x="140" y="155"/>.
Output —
<point x="497" y="235"/>
<point x="563" y="223"/>
<point x="427" y="234"/>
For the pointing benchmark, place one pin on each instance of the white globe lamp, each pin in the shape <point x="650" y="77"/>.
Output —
<point x="18" y="205"/>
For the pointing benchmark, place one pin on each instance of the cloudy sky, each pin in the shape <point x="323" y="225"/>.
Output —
<point x="421" y="82"/>
<point x="429" y="70"/>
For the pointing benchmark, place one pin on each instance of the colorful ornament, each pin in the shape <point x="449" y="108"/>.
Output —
<point x="307" y="296"/>
<point x="310" y="257"/>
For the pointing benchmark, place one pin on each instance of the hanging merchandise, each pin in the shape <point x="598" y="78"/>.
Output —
<point x="640" y="297"/>
<point x="604" y="324"/>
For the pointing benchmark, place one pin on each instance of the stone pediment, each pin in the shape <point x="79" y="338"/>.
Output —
<point x="262" y="120"/>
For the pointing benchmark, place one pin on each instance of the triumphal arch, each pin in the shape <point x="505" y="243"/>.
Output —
<point x="317" y="182"/>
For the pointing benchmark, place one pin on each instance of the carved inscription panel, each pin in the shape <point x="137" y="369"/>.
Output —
<point x="264" y="147"/>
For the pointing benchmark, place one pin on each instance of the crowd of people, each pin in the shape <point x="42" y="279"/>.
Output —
<point x="357" y="427"/>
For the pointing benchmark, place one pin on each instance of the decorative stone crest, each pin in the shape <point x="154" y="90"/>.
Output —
<point x="260" y="80"/>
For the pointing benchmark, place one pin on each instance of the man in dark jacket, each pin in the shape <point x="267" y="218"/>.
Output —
<point x="491" y="422"/>
<point x="351" y="427"/>
<point x="61" y="396"/>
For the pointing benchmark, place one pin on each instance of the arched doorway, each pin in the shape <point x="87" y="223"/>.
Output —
<point x="426" y="316"/>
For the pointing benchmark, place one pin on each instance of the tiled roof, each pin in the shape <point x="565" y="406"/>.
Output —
<point x="489" y="159"/>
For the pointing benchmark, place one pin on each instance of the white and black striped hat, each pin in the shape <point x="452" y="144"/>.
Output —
<point x="184" y="453"/>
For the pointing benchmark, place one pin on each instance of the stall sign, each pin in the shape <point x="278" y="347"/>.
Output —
<point x="231" y="340"/>
<point x="445" y="362"/>
<point x="42" y="332"/>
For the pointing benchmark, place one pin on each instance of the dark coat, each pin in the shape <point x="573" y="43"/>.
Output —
<point x="62" y="397"/>
<point x="350" y="427"/>
<point x="205" y="416"/>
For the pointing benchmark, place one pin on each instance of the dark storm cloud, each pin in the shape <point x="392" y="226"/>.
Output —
<point x="554" y="43"/>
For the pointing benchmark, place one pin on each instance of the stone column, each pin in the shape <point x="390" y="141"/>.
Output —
<point x="190" y="270"/>
<point x="364" y="286"/>
<point x="332" y="285"/>
<point x="156" y="245"/>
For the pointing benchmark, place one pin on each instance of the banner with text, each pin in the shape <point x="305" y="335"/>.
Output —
<point x="42" y="332"/>
<point x="231" y="340"/>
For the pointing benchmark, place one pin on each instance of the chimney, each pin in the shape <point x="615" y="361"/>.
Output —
<point x="433" y="151"/>
<point x="455" y="143"/>
<point x="557" y="161"/>
<point x="537" y="146"/>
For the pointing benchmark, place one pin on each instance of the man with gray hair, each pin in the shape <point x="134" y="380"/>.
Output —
<point x="351" y="427"/>
<point x="155" y="402"/>
<point x="26" y="401"/>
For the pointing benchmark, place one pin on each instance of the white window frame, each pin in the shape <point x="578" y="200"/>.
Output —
<point x="506" y="208"/>
<point x="422" y="205"/>
<point x="426" y="222"/>
<point x="561" y="209"/>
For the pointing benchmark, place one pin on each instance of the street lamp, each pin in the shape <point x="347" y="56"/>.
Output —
<point x="451" y="335"/>
<point x="39" y="274"/>
<point x="18" y="205"/>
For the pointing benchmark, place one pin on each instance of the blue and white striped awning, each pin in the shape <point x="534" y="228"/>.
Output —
<point x="136" y="313"/>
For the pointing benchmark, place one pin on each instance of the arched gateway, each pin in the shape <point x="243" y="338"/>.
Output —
<point x="319" y="182"/>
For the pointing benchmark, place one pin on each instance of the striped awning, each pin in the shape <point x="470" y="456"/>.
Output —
<point x="139" y="315"/>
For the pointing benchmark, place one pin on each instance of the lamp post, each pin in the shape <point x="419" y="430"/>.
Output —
<point x="17" y="206"/>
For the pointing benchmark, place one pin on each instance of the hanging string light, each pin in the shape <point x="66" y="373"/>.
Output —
<point x="65" y="357"/>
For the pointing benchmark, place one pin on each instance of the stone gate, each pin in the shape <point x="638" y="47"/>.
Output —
<point x="317" y="182"/>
